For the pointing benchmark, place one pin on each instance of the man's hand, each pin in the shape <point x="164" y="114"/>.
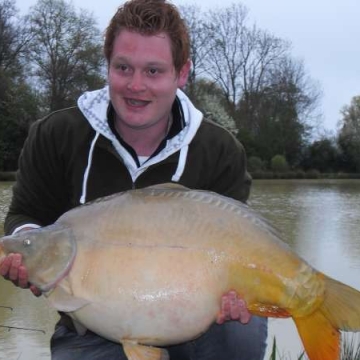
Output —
<point x="11" y="268"/>
<point x="233" y="308"/>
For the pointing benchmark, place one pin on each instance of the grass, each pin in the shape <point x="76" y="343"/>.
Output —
<point x="275" y="355"/>
<point x="350" y="350"/>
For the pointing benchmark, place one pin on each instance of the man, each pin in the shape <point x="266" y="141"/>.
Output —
<point x="141" y="130"/>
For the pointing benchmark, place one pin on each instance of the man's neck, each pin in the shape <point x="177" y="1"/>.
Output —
<point x="146" y="140"/>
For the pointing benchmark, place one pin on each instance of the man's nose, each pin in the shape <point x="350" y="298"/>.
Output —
<point x="137" y="82"/>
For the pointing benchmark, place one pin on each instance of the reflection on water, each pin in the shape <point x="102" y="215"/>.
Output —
<point x="319" y="219"/>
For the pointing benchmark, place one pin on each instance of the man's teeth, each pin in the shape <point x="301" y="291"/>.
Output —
<point x="136" y="102"/>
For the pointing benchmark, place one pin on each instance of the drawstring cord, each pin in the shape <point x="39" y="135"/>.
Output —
<point x="87" y="171"/>
<point x="181" y="164"/>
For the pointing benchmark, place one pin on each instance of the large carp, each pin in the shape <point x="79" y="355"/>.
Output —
<point x="148" y="268"/>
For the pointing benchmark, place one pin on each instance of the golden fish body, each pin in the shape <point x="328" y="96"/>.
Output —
<point x="149" y="267"/>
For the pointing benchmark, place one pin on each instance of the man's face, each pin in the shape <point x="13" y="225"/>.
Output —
<point x="142" y="79"/>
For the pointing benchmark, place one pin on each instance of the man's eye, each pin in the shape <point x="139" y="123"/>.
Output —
<point x="123" y="67"/>
<point x="153" y="71"/>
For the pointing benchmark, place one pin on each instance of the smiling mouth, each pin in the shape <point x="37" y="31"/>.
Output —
<point x="136" y="102"/>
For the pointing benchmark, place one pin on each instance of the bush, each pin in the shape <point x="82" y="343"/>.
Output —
<point x="300" y="174"/>
<point x="313" y="174"/>
<point x="279" y="164"/>
<point x="7" y="175"/>
<point x="262" y="175"/>
<point x="342" y="175"/>
<point x="255" y="164"/>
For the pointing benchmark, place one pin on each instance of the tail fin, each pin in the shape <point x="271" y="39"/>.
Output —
<point x="341" y="305"/>
<point x="320" y="330"/>
<point x="320" y="339"/>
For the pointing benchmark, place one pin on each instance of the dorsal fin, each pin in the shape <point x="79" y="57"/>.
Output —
<point x="169" y="186"/>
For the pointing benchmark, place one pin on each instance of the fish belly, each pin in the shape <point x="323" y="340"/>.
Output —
<point x="156" y="296"/>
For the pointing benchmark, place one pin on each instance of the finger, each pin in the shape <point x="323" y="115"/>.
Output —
<point x="220" y="318"/>
<point x="235" y="309"/>
<point x="5" y="265"/>
<point x="225" y="307"/>
<point x="36" y="291"/>
<point x="14" y="268"/>
<point x="244" y="315"/>
<point x="22" y="280"/>
<point x="238" y="309"/>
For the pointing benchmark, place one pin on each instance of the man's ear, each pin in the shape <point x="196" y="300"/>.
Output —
<point x="184" y="74"/>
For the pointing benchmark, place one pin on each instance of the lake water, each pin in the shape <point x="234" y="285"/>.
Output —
<point x="319" y="219"/>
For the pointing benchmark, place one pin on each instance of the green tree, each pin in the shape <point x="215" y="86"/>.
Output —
<point x="349" y="135"/>
<point x="321" y="155"/>
<point x="279" y="164"/>
<point x="65" y="52"/>
<point x="209" y="98"/>
<point x="278" y="117"/>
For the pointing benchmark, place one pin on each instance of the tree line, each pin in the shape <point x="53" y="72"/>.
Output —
<point x="242" y="76"/>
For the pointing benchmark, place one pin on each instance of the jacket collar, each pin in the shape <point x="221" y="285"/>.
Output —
<point x="95" y="104"/>
<point x="177" y="125"/>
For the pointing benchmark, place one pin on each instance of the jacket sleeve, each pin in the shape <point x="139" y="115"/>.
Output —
<point x="231" y="177"/>
<point x="39" y="194"/>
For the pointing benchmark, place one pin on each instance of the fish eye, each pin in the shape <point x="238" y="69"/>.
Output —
<point x="27" y="242"/>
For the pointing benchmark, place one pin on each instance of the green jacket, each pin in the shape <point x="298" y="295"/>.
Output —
<point x="72" y="156"/>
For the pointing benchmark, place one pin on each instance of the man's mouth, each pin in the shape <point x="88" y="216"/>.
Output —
<point x="136" y="102"/>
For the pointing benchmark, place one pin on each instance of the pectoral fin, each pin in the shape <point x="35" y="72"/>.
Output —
<point x="62" y="299"/>
<point x="135" y="351"/>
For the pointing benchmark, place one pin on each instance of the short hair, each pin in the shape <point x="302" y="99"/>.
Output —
<point x="151" y="17"/>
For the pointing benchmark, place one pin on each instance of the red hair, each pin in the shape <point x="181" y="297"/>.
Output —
<point x="151" y="17"/>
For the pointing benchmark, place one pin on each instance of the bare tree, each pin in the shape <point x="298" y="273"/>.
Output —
<point x="65" y="52"/>
<point x="199" y="42"/>
<point x="266" y="91"/>
<point x="227" y="39"/>
<point x="240" y="55"/>
<point x="14" y="37"/>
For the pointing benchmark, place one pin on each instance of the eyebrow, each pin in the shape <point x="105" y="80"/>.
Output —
<point x="150" y="63"/>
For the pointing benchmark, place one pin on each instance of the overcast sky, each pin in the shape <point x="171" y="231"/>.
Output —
<point x="325" y="34"/>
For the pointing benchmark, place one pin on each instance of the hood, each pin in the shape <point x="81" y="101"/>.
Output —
<point x="94" y="106"/>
